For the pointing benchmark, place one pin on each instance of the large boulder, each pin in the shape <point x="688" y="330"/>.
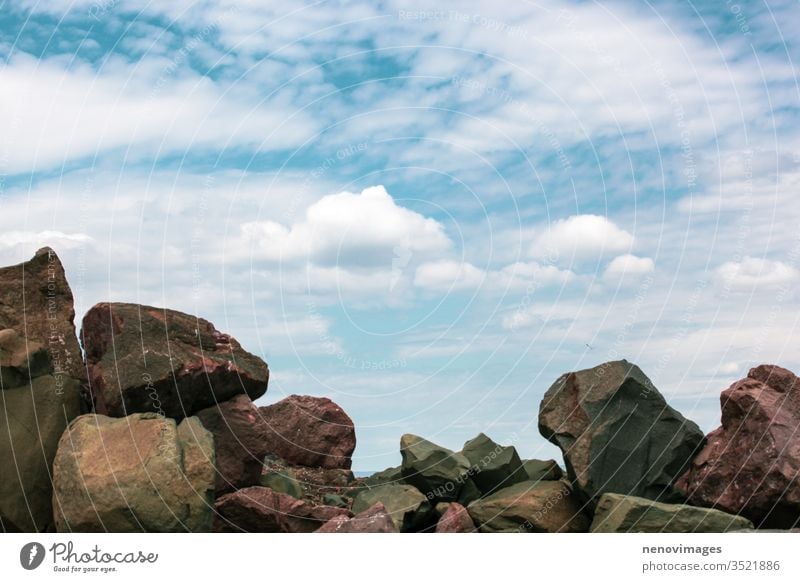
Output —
<point x="42" y="383"/>
<point x="455" y="519"/>
<point x="437" y="472"/>
<point x="625" y="513"/>
<point x="617" y="433"/>
<point x="138" y="473"/>
<point x="751" y="464"/>
<point x="542" y="470"/>
<point x="239" y="442"/>
<point x="389" y="475"/>
<point x="261" y="509"/>
<point x="149" y="359"/>
<point x="409" y="508"/>
<point x="493" y="466"/>
<point x="530" y="507"/>
<point x="310" y="431"/>
<point x="374" y="520"/>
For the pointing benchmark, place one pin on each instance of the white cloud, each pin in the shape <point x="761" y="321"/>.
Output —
<point x="448" y="276"/>
<point x="753" y="273"/>
<point x="582" y="236"/>
<point x="629" y="265"/>
<point x="363" y="229"/>
<point x="53" y="238"/>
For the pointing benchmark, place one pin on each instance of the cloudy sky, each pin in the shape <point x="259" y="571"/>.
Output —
<point x="425" y="211"/>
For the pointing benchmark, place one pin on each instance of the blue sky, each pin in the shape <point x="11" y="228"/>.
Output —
<point x="427" y="212"/>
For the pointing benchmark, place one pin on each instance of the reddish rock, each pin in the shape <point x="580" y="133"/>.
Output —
<point x="374" y="520"/>
<point x="310" y="431"/>
<point x="238" y="441"/>
<point x="751" y="464"/>
<point x="455" y="519"/>
<point x="149" y="359"/>
<point x="260" y="509"/>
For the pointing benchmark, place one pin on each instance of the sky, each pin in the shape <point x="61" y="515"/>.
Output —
<point x="425" y="211"/>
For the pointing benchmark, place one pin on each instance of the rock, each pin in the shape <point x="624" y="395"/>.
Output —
<point x="260" y="509"/>
<point x="335" y="500"/>
<point x="408" y="507"/>
<point x="455" y="519"/>
<point x="310" y="431"/>
<point x="373" y="520"/>
<point x="469" y="493"/>
<point x="617" y="433"/>
<point x="390" y="475"/>
<point x="238" y="440"/>
<point x="624" y="513"/>
<point x="751" y="464"/>
<point x="542" y="470"/>
<point x="437" y="472"/>
<point x="132" y="474"/>
<point x="493" y="466"/>
<point x="149" y="359"/>
<point x="42" y="382"/>
<point x="283" y="483"/>
<point x="530" y="507"/>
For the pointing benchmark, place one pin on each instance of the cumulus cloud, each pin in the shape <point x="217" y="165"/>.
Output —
<point x="753" y="273"/>
<point x="37" y="239"/>
<point x="582" y="236"/>
<point x="365" y="229"/>
<point x="449" y="275"/>
<point x="629" y="265"/>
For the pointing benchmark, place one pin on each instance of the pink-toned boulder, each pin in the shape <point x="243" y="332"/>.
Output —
<point x="310" y="431"/>
<point x="751" y="464"/>
<point x="238" y="441"/>
<point x="374" y="520"/>
<point x="455" y="519"/>
<point x="260" y="509"/>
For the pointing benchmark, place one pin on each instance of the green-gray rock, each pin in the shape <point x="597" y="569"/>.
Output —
<point x="624" y="513"/>
<point x="617" y="433"/>
<point x="530" y="507"/>
<point x="282" y="483"/>
<point x="542" y="470"/>
<point x="335" y="500"/>
<point x="390" y="475"/>
<point x="409" y="508"/>
<point x="493" y="466"/>
<point x="437" y="472"/>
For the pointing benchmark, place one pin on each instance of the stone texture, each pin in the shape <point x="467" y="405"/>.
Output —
<point x="132" y="474"/>
<point x="542" y="470"/>
<point x="42" y="381"/>
<point x="751" y="464"/>
<point x="493" y="466"/>
<point x="283" y="482"/>
<point x="617" y="433"/>
<point x="238" y="440"/>
<point x="310" y="431"/>
<point x="391" y="475"/>
<point x="373" y="520"/>
<point x="260" y="509"/>
<point x="530" y="507"/>
<point x="455" y="519"/>
<point x="437" y="472"/>
<point x="408" y="507"/>
<point x="149" y="359"/>
<point x="623" y="513"/>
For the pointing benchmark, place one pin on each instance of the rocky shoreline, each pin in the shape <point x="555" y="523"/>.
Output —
<point x="153" y="427"/>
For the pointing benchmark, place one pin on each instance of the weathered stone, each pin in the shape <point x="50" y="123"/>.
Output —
<point x="624" y="513"/>
<point x="149" y="359"/>
<point x="391" y="475"/>
<point x="335" y="500"/>
<point x="408" y="507"/>
<point x="751" y="464"/>
<point x="530" y="507"/>
<point x="373" y="520"/>
<point x="310" y="431"/>
<point x="42" y="379"/>
<point x="238" y="440"/>
<point x="437" y="472"/>
<point x="542" y="470"/>
<point x="617" y="433"/>
<point x="138" y="473"/>
<point x="455" y="519"/>
<point x="493" y="466"/>
<point x="283" y="483"/>
<point x="260" y="509"/>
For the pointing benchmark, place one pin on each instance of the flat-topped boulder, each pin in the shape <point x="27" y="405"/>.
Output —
<point x="436" y="471"/>
<point x="150" y="359"/>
